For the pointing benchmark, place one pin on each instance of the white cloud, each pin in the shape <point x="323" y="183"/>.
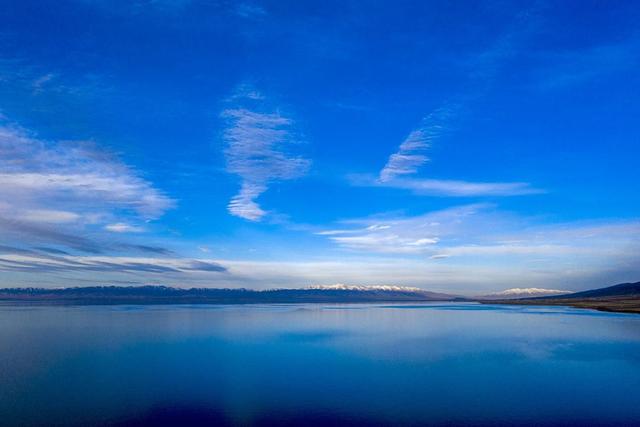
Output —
<point x="410" y="155"/>
<point x="386" y="242"/>
<point x="49" y="216"/>
<point x="333" y="232"/>
<point x="424" y="241"/>
<point x="121" y="227"/>
<point x="449" y="188"/>
<point x="477" y="232"/>
<point x="34" y="262"/>
<point x="378" y="227"/>
<point x="258" y="151"/>
<point x="37" y="173"/>
<point x="244" y="205"/>
<point x="65" y="193"/>
<point x="403" y="235"/>
<point x="456" y="188"/>
<point x="453" y="275"/>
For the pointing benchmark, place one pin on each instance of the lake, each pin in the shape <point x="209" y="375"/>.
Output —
<point x="318" y="364"/>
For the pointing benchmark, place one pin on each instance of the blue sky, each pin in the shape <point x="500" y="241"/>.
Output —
<point x="456" y="146"/>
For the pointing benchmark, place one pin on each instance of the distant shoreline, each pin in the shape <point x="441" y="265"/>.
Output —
<point x="62" y="302"/>
<point x="621" y="305"/>
<point x="154" y="295"/>
<point x="622" y="298"/>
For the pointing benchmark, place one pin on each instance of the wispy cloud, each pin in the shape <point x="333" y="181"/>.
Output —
<point x="244" y="203"/>
<point x="464" y="188"/>
<point x="402" y="235"/>
<point x="411" y="153"/>
<point x="25" y="232"/>
<point x="49" y="216"/>
<point x="36" y="173"/>
<point x="481" y="231"/>
<point x="472" y="248"/>
<point x="386" y="242"/>
<point x="122" y="227"/>
<point x="31" y="261"/>
<point x="258" y="145"/>
<point x="449" y="188"/>
<point x="64" y="193"/>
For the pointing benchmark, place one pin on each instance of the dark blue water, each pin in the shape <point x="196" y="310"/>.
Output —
<point x="318" y="364"/>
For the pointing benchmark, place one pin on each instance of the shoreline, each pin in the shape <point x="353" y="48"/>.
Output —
<point x="621" y="305"/>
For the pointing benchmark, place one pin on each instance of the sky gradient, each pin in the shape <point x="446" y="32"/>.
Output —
<point x="462" y="147"/>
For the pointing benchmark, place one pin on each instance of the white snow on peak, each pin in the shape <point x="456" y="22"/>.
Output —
<point x="529" y="291"/>
<point x="343" y="287"/>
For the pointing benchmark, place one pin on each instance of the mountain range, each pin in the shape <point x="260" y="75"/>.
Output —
<point x="623" y="297"/>
<point x="515" y="293"/>
<point x="169" y="295"/>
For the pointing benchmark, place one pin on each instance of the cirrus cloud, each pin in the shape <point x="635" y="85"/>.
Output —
<point x="64" y="193"/>
<point x="258" y="144"/>
<point x="411" y="153"/>
<point x="37" y="173"/>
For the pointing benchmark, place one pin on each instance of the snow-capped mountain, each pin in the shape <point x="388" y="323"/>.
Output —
<point x="343" y="287"/>
<point x="524" y="293"/>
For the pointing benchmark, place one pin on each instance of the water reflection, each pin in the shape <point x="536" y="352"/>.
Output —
<point x="318" y="364"/>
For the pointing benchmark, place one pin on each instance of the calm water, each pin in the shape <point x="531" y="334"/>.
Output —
<point x="318" y="364"/>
